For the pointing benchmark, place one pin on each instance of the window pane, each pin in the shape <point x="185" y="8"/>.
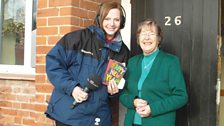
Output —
<point x="12" y="45"/>
<point x="33" y="45"/>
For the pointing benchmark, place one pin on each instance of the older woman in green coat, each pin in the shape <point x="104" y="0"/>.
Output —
<point x="155" y="87"/>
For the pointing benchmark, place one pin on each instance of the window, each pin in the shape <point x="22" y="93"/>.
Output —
<point x="17" y="41"/>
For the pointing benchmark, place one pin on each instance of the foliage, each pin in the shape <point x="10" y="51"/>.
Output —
<point x="11" y="26"/>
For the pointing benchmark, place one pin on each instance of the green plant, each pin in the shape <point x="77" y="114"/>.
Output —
<point x="11" y="26"/>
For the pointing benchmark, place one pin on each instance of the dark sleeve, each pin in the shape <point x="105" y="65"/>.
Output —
<point x="126" y="52"/>
<point x="58" y="60"/>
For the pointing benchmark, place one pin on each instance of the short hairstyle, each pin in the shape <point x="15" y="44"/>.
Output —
<point x="152" y="25"/>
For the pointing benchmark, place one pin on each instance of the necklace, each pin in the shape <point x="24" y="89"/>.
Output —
<point x="150" y="59"/>
<point x="147" y="65"/>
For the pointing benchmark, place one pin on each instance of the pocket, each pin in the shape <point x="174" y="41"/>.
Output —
<point x="55" y="97"/>
<point x="87" y="107"/>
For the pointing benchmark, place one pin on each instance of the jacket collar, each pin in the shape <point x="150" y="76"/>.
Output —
<point x="116" y="43"/>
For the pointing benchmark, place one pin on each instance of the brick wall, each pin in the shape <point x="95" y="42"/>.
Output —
<point x="17" y="103"/>
<point x="22" y="103"/>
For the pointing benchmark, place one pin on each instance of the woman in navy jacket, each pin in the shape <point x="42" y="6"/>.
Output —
<point x="77" y="56"/>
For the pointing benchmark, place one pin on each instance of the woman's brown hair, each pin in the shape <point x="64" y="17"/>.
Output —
<point x="103" y="11"/>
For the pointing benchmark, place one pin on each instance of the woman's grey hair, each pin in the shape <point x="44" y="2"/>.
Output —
<point x="152" y="25"/>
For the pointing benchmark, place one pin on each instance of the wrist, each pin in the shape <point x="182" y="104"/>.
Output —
<point x="135" y="100"/>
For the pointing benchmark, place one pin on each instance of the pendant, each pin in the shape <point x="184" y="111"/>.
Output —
<point x="146" y="66"/>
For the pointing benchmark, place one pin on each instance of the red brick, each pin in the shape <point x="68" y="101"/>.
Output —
<point x="6" y="104"/>
<point x="29" y="122"/>
<point x="10" y="97"/>
<point x="89" y="5"/>
<point x="43" y="49"/>
<point x="40" y="108"/>
<point x="8" y="111"/>
<point x="23" y="113"/>
<point x="42" y="4"/>
<point x="67" y="29"/>
<point x="29" y="90"/>
<point x="18" y="119"/>
<point x="40" y="98"/>
<point x="40" y="60"/>
<point x="41" y="40"/>
<point x="48" y="98"/>
<point x="63" y="21"/>
<point x="91" y="15"/>
<point x="50" y="12"/>
<point x="47" y="31"/>
<point x="52" y="40"/>
<point x="68" y="11"/>
<point x="16" y="105"/>
<point x="23" y="98"/>
<point x="58" y="3"/>
<point x="41" y="22"/>
<point x="44" y="88"/>
<point x="41" y="78"/>
<point x="40" y="69"/>
<point x="28" y="106"/>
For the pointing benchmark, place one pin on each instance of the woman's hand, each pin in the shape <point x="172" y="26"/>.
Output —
<point x="138" y="103"/>
<point x="79" y="95"/>
<point x="112" y="87"/>
<point x="144" y="111"/>
<point x="142" y="107"/>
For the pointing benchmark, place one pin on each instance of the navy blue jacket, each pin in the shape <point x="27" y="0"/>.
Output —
<point x="69" y="63"/>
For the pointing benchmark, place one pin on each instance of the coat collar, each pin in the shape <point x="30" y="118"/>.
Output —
<point x="116" y="43"/>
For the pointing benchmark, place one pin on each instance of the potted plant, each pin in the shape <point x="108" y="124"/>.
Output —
<point x="16" y="29"/>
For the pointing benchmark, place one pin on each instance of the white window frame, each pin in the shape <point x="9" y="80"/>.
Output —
<point x="25" y="71"/>
<point x="126" y="36"/>
<point x="126" y="32"/>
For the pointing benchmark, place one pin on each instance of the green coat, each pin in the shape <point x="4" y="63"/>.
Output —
<point x="164" y="89"/>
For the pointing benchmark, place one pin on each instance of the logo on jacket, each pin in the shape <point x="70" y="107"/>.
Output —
<point x="97" y="121"/>
<point x="87" y="52"/>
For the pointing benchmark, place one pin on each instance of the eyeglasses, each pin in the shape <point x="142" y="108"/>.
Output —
<point x="148" y="34"/>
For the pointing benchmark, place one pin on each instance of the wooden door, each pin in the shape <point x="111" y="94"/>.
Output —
<point x="190" y="31"/>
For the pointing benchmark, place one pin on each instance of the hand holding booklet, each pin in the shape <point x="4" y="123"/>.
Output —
<point x="115" y="71"/>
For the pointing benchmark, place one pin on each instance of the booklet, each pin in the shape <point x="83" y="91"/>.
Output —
<point x="115" y="71"/>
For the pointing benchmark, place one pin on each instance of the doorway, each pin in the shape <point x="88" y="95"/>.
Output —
<point x="190" y="30"/>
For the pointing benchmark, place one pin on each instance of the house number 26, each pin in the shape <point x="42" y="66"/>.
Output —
<point x="177" y="20"/>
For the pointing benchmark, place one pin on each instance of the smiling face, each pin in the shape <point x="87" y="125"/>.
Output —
<point x="148" y="40"/>
<point x="111" y="22"/>
<point x="148" y="36"/>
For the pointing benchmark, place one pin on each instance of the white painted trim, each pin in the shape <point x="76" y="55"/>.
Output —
<point x="126" y="35"/>
<point x="28" y="33"/>
<point x="126" y="32"/>
<point x="22" y="71"/>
